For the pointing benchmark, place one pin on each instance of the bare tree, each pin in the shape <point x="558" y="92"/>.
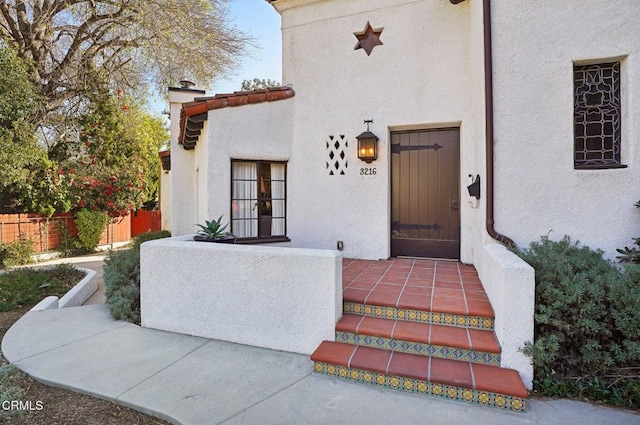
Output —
<point x="75" y="45"/>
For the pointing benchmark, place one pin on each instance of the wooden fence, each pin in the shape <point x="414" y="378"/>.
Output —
<point x="45" y="232"/>
<point x="145" y="221"/>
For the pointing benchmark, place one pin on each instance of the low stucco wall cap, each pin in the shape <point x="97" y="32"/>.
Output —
<point x="193" y="114"/>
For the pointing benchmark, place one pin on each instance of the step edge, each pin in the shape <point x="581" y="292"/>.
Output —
<point x="491" y="399"/>
<point x="438" y="348"/>
<point x="419" y="316"/>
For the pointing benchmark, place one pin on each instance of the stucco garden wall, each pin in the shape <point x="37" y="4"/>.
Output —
<point x="279" y="298"/>
<point x="510" y="285"/>
<point x="537" y="188"/>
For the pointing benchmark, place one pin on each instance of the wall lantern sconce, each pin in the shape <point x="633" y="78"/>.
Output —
<point x="474" y="188"/>
<point x="367" y="145"/>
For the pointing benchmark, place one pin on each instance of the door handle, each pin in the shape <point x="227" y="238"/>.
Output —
<point x="455" y="205"/>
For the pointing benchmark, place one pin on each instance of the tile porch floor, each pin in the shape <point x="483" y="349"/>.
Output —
<point x="431" y="285"/>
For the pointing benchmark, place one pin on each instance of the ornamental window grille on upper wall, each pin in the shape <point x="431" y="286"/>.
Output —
<point x="597" y="115"/>
<point x="258" y="199"/>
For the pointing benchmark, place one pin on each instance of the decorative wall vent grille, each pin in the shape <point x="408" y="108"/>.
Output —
<point x="337" y="162"/>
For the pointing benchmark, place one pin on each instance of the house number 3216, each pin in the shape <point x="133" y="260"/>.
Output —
<point x="368" y="171"/>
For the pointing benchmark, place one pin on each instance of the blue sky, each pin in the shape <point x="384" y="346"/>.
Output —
<point x="260" y="19"/>
<point x="262" y="22"/>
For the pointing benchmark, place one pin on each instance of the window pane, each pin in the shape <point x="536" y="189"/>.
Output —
<point x="277" y="227"/>
<point x="277" y="208"/>
<point x="244" y="199"/>
<point x="277" y="190"/>
<point x="258" y="199"/>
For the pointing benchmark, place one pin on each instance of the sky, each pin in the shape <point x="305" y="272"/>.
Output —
<point x="262" y="22"/>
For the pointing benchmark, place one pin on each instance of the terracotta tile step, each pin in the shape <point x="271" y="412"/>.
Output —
<point x="470" y="382"/>
<point x="419" y="316"/>
<point x="475" y="345"/>
<point x="442" y="300"/>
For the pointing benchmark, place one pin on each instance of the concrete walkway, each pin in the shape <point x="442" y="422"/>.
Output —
<point x="93" y="262"/>
<point x="191" y="380"/>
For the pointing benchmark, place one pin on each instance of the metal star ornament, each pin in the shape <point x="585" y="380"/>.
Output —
<point x="368" y="39"/>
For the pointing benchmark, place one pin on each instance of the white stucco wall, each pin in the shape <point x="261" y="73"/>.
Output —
<point x="279" y="298"/>
<point x="419" y="78"/>
<point x="183" y="179"/>
<point x="537" y="189"/>
<point x="260" y="131"/>
<point x="428" y="74"/>
<point x="165" y="199"/>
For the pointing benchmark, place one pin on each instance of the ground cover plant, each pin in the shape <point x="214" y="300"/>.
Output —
<point x="26" y="287"/>
<point x="121" y="275"/>
<point x="587" y="316"/>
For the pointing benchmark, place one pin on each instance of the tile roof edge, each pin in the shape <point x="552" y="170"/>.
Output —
<point x="239" y="98"/>
<point x="204" y="104"/>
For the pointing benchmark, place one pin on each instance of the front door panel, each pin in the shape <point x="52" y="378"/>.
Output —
<point x="425" y="193"/>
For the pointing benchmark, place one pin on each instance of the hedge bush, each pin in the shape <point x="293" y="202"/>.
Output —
<point x="149" y="236"/>
<point x="16" y="253"/>
<point x="587" y="316"/>
<point x="121" y="275"/>
<point x="90" y="225"/>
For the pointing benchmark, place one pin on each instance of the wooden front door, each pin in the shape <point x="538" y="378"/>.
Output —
<point x="425" y="193"/>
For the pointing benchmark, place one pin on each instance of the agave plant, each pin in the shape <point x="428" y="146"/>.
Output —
<point x="213" y="229"/>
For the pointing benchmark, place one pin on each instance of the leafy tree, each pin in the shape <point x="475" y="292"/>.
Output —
<point x="257" y="84"/>
<point x="151" y="136"/>
<point x="28" y="180"/>
<point x="132" y="43"/>
<point x="113" y="163"/>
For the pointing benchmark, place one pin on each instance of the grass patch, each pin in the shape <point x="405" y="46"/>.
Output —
<point x="26" y="287"/>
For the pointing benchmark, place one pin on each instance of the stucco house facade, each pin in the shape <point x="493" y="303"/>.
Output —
<point x="531" y="101"/>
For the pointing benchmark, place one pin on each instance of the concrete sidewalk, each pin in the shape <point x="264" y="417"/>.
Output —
<point x="191" y="380"/>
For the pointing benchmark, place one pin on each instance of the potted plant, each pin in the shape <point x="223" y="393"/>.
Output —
<point x="214" y="231"/>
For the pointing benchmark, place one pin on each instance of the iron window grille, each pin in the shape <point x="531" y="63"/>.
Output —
<point x="597" y="115"/>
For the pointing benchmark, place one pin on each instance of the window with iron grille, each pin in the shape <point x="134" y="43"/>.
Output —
<point x="258" y="199"/>
<point x="597" y="114"/>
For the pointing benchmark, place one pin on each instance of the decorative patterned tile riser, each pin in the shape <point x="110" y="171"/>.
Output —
<point x="418" y="386"/>
<point x="419" y="348"/>
<point x="462" y="321"/>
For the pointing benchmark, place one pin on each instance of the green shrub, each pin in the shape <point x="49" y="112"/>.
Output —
<point x="90" y="225"/>
<point x="16" y="253"/>
<point x="121" y="273"/>
<point x="587" y="338"/>
<point x="149" y="236"/>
